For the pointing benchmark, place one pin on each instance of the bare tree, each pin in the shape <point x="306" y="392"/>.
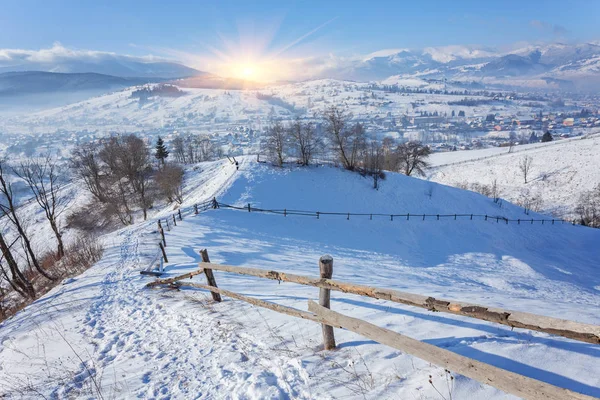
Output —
<point x="138" y="169"/>
<point x="118" y="190"/>
<point x="128" y="160"/>
<point x="374" y="161"/>
<point x="17" y="279"/>
<point x="275" y="143"/>
<point x="495" y="191"/>
<point x="9" y="208"/>
<point x="305" y="140"/>
<point x="193" y="149"/>
<point x="336" y="121"/>
<point x="525" y="166"/>
<point x="390" y="156"/>
<point x="179" y="149"/>
<point x="588" y="207"/>
<point x="200" y="148"/>
<point x="412" y="157"/>
<point x="43" y="178"/>
<point x="86" y="165"/>
<point x="530" y="201"/>
<point x="170" y="183"/>
<point x="357" y="144"/>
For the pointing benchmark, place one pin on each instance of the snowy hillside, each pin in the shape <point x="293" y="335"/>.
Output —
<point x="561" y="171"/>
<point x="208" y="110"/>
<point x="104" y="332"/>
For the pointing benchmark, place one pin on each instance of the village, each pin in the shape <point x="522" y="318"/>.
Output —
<point x="441" y="131"/>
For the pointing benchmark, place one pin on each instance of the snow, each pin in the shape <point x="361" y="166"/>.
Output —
<point x="561" y="171"/>
<point x="215" y="111"/>
<point x="137" y="342"/>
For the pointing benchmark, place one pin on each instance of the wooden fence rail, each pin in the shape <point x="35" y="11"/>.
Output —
<point x="509" y="382"/>
<point x="555" y="326"/>
<point x="504" y="380"/>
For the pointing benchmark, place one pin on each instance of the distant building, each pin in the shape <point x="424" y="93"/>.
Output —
<point x="422" y="121"/>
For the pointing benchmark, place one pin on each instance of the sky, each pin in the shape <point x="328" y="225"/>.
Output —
<point x="246" y="35"/>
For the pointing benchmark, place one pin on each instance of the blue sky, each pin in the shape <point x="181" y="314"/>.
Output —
<point x="251" y="29"/>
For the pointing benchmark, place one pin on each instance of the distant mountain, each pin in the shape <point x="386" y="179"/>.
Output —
<point x="573" y="65"/>
<point x="37" y="82"/>
<point x="115" y="65"/>
<point x="514" y="65"/>
<point x="429" y="62"/>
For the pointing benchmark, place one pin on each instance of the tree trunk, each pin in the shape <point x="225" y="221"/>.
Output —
<point x="61" y="248"/>
<point x="29" y="248"/>
<point x="17" y="276"/>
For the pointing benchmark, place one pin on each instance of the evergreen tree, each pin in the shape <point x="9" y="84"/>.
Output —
<point x="161" y="152"/>
<point x="547" y="137"/>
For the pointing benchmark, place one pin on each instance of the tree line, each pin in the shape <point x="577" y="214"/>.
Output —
<point x="122" y="176"/>
<point x="347" y="142"/>
<point x="25" y="268"/>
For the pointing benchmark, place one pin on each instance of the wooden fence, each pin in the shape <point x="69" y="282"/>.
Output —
<point x="504" y="380"/>
<point x="160" y="256"/>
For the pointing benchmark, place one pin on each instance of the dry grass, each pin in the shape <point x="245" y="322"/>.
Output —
<point x="79" y="256"/>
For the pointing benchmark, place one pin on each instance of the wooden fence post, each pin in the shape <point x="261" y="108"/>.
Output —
<point x="164" y="253"/>
<point x="174" y="220"/>
<point x="326" y="269"/>
<point x="162" y="235"/>
<point x="179" y="212"/>
<point x="210" y="278"/>
<point x="168" y="227"/>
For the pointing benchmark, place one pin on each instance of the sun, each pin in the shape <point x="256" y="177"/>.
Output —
<point x="255" y="70"/>
<point x="248" y="72"/>
<point x="245" y="70"/>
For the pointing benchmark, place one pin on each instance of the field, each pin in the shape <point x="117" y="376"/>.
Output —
<point x="560" y="171"/>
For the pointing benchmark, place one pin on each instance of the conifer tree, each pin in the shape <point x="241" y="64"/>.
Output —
<point x="547" y="137"/>
<point x="161" y="152"/>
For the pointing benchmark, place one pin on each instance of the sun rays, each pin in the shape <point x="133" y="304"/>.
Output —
<point x="255" y="53"/>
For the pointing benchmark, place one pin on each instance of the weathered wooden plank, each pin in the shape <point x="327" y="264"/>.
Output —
<point x="175" y="278"/>
<point x="504" y="380"/>
<point x="260" y="303"/>
<point x="555" y="326"/>
<point x="153" y="273"/>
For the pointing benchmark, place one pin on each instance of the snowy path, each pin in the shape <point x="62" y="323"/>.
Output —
<point x="145" y="345"/>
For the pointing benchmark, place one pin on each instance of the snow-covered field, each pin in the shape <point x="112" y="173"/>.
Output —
<point x="104" y="332"/>
<point x="560" y="171"/>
